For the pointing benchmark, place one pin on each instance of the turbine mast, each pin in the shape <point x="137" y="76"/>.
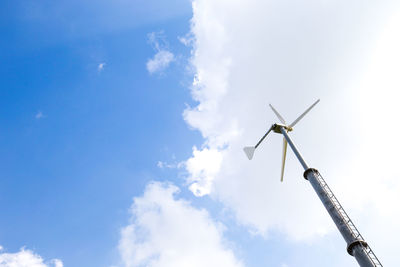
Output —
<point x="356" y="245"/>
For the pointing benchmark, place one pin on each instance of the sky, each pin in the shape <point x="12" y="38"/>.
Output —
<point x="122" y="126"/>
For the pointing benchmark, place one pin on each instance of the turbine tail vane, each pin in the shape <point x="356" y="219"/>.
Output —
<point x="249" y="150"/>
<point x="302" y="115"/>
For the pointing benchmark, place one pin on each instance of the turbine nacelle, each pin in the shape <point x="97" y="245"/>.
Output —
<point x="278" y="128"/>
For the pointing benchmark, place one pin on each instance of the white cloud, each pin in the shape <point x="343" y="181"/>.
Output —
<point x="203" y="167"/>
<point x="101" y="66"/>
<point x="160" y="61"/>
<point x="373" y="169"/>
<point x="175" y="165"/>
<point x="163" y="57"/>
<point x="249" y="54"/>
<point x="186" y="40"/>
<point x="26" y="258"/>
<point x="39" y="115"/>
<point x="169" y="232"/>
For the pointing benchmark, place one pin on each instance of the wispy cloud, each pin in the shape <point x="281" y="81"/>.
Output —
<point x="166" y="165"/>
<point x="163" y="57"/>
<point x="160" y="61"/>
<point x="187" y="40"/>
<point x="101" y="67"/>
<point x="39" y="115"/>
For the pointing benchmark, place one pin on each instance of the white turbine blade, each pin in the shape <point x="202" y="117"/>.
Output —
<point x="249" y="150"/>
<point x="277" y="114"/>
<point x="283" y="157"/>
<point x="302" y="115"/>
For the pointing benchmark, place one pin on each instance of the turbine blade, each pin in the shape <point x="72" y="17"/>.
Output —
<point x="249" y="150"/>
<point x="302" y="115"/>
<point x="283" y="157"/>
<point x="277" y="114"/>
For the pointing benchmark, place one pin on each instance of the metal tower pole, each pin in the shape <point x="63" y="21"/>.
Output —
<point x="356" y="245"/>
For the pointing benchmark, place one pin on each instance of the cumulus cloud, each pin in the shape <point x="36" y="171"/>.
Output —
<point x="163" y="57"/>
<point x="26" y="258"/>
<point x="169" y="232"/>
<point x="202" y="167"/>
<point x="249" y="54"/>
<point x="374" y="169"/>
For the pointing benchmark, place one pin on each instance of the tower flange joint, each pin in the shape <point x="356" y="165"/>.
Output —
<point x="355" y="243"/>
<point x="309" y="170"/>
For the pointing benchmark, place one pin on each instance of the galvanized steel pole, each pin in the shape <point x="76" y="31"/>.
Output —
<point x="356" y="245"/>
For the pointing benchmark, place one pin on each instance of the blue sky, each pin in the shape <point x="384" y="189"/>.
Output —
<point x="68" y="175"/>
<point x="122" y="125"/>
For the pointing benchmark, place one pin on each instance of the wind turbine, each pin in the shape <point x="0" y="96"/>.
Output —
<point x="277" y="128"/>
<point x="356" y="245"/>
